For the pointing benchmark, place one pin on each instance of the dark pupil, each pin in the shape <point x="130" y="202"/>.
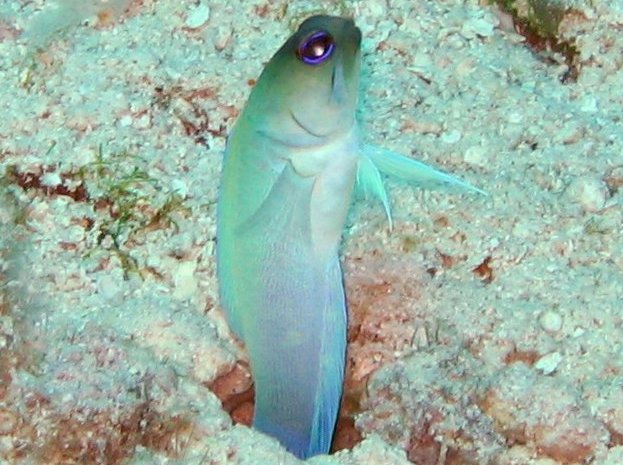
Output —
<point x="316" y="48"/>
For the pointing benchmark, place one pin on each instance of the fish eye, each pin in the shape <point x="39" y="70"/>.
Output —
<point x="316" y="48"/>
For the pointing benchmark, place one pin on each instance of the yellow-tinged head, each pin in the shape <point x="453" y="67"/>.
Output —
<point x="308" y="91"/>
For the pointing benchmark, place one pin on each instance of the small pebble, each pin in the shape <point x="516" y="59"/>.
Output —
<point x="422" y="64"/>
<point x="142" y="122"/>
<point x="588" y="192"/>
<point x="51" y="179"/>
<point x="125" y="121"/>
<point x="108" y="286"/>
<point x="420" y="338"/>
<point x="451" y="137"/>
<point x="198" y="16"/>
<point x="514" y="117"/>
<point x="589" y="104"/>
<point x="475" y="155"/>
<point x="550" y="321"/>
<point x="548" y="363"/>
<point x="578" y="332"/>
<point x="8" y="422"/>
<point x="477" y="27"/>
<point x="222" y="37"/>
<point x="185" y="281"/>
<point x="179" y="187"/>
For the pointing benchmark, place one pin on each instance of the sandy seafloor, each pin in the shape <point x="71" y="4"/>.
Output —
<point x="484" y="330"/>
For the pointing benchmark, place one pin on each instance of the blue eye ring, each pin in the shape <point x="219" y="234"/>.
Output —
<point x="316" y="48"/>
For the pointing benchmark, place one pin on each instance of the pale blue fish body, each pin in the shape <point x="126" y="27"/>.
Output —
<point x="288" y="174"/>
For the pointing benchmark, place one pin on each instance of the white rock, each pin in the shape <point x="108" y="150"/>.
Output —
<point x="588" y="192"/>
<point x="589" y="104"/>
<point x="422" y="64"/>
<point x="548" y="363"/>
<point x="514" y="117"/>
<point x="481" y="27"/>
<point x="108" y="286"/>
<point x="550" y="321"/>
<point x="125" y="121"/>
<point x="185" y="281"/>
<point x="142" y="122"/>
<point x="451" y="137"/>
<point x="198" y="16"/>
<point x="51" y="179"/>
<point x="180" y="188"/>
<point x="475" y="155"/>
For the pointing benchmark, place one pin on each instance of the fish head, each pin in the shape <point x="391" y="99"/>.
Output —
<point x="307" y="92"/>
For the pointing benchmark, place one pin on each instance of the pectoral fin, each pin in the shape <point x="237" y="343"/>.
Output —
<point x="376" y="160"/>
<point x="370" y="181"/>
<point x="413" y="171"/>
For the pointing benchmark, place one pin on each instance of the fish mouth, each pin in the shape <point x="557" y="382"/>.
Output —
<point x="305" y="128"/>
